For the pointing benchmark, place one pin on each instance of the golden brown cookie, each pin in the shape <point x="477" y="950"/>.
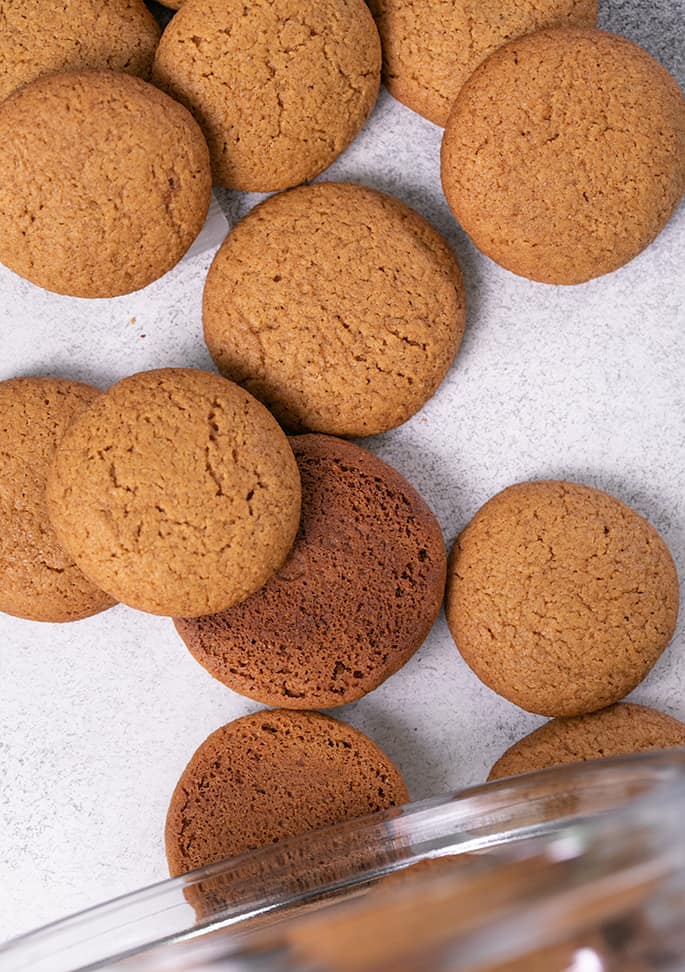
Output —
<point x="280" y="87"/>
<point x="616" y="731"/>
<point x="564" y="154"/>
<point x="355" y="599"/>
<point x="38" y="578"/>
<point x="273" y="775"/>
<point x="431" y="48"/>
<point x="337" y="306"/>
<point x="176" y="492"/>
<point x="104" y="183"/>
<point x="35" y="39"/>
<point x="560" y="598"/>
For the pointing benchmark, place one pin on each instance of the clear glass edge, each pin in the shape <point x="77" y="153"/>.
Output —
<point x="495" y="815"/>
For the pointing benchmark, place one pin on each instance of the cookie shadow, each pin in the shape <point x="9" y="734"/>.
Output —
<point x="645" y="500"/>
<point x="161" y="13"/>
<point x="98" y="377"/>
<point x="419" y="763"/>
<point x="657" y="26"/>
<point x="433" y="474"/>
<point x="368" y="162"/>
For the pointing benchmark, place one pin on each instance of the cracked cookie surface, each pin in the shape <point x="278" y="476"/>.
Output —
<point x="355" y="599"/>
<point x="560" y="597"/>
<point x="617" y="731"/>
<point x="38" y="578"/>
<point x="120" y="35"/>
<point x="177" y="492"/>
<point x="279" y="87"/>
<point x="431" y="48"/>
<point x="104" y="183"/>
<point x="273" y="775"/>
<point x="564" y="154"/>
<point x="337" y="306"/>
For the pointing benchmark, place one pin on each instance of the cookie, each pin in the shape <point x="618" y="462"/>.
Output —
<point x="431" y="49"/>
<point x="616" y="731"/>
<point x="356" y="597"/>
<point x="38" y="578"/>
<point x="564" y="154"/>
<point x="176" y="492"/>
<point x="280" y="87"/>
<point x="560" y="598"/>
<point x="104" y="183"/>
<point x="337" y="306"/>
<point x="273" y="775"/>
<point x="406" y="920"/>
<point x="120" y="35"/>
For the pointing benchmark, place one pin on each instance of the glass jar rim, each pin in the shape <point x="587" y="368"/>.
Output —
<point x="620" y="813"/>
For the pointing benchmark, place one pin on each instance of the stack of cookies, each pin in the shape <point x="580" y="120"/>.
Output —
<point x="302" y="571"/>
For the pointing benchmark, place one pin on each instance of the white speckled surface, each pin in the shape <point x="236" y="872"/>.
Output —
<point x="98" y="718"/>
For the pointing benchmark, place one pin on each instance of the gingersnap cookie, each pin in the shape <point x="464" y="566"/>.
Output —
<point x="38" y="578"/>
<point x="564" y="154"/>
<point x="431" y="49"/>
<point x="337" y="306"/>
<point x="560" y="598"/>
<point x="616" y="731"/>
<point x="120" y="35"/>
<point x="279" y="87"/>
<point x="176" y="492"/>
<point x="355" y="599"/>
<point x="273" y="775"/>
<point x="104" y="183"/>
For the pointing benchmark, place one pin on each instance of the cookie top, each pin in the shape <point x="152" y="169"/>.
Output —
<point x="430" y="49"/>
<point x="356" y="597"/>
<point x="38" y="578"/>
<point x="337" y="306"/>
<point x="273" y="775"/>
<point x="564" y="154"/>
<point x="104" y="183"/>
<point x="560" y="598"/>
<point x="280" y="87"/>
<point x="120" y="35"/>
<point x="176" y="492"/>
<point x="616" y="731"/>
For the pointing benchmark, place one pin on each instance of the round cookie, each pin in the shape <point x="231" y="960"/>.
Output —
<point x="356" y="597"/>
<point x="564" y="154"/>
<point x="560" y="597"/>
<point x="120" y="35"/>
<point x="337" y="306"/>
<point x="104" y="183"/>
<point x="431" y="49"/>
<point x="273" y="775"/>
<point x="176" y="492"/>
<point x="279" y="87"/>
<point x="616" y="731"/>
<point x="38" y="579"/>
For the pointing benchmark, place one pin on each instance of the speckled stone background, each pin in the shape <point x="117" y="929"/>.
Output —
<point x="98" y="718"/>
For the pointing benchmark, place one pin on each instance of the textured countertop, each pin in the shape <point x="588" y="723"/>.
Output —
<point x="98" y="718"/>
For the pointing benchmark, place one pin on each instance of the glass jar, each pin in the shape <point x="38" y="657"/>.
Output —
<point x="580" y="868"/>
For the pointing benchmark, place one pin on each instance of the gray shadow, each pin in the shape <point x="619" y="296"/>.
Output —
<point x="644" y="499"/>
<point x="419" y="763"/>
<point x="433" y="475"/>
<point x="658" y="26"/>
<point x="163" y="14"/>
